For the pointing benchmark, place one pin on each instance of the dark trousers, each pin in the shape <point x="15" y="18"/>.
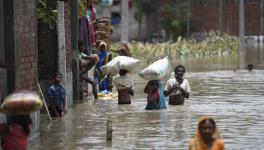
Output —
<point x="52" y="113"/>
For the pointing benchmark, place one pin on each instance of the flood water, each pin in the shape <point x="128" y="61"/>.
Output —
<point x="220" y="86"/>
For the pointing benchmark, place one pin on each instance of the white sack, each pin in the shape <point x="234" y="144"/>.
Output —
<point x="119" y="63"/>
<point x="111" y="67"/>
<point x="156" y="70"/>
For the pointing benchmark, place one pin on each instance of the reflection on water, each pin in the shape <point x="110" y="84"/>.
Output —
<point x="233" y="97"/>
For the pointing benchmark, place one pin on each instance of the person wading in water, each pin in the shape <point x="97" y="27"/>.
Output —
<point x="177" y="88"/>
<point x="124" y="86"/>
<point x="207" y="136"/>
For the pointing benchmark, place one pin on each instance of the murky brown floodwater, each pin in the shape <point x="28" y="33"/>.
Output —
<point x="234" y="97"/>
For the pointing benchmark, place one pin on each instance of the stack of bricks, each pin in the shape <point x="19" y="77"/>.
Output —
<point x="103" y="31"/>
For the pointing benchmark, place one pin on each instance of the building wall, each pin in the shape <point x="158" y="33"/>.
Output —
<point x="26" y="44"/>
<point x="205" y="16"/>
<point x="3" y="89"/>
<point x="25" y="41"/>
<point x="252" y="17"/>
<point x="204" y="20"/>
<point x="231" y="19"/>
<point x="105" y="11"/>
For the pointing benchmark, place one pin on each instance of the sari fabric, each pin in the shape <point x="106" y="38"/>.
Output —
<point x="197" y="143"/>
<point x="16" y="139"/>
<point x="161" y="103"/>
<point x="99" y="75"/>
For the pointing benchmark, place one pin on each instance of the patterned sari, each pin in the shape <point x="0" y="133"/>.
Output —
<point x="161" y="102"/>
<point x="99" y="76"/>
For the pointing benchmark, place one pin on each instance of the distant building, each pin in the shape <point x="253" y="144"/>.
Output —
<point x="113" y="11"/>
<point x="205" y="16"/>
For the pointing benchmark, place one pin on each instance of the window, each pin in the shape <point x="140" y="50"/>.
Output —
<point x="116" y="2"/>
<point x="115" y="18"/>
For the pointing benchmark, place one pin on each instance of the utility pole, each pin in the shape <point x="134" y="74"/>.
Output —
<point x="241" y="35"/>
<point x="221" y="16"/>
<point x="61" y="40"/>
<point x="62" y="48"/>
<point x="261" y="17"/>
<point x="124" y="20"/>
<point x="241" y="23"/>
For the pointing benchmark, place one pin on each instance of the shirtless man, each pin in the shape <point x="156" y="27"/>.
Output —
<point x="86" y="63"/>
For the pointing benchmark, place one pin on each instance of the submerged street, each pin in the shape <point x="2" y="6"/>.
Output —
<point x="233" y="97"/>
<point x="58" y="58"/>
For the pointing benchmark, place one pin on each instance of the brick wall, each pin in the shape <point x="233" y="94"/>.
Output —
<point x="25" y="44"/>
<point x="252" y="18"/>
<point x="206" y="17"/>
<point x="230" y="18"/>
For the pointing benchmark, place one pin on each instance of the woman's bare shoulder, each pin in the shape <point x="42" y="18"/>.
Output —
<point x="191" y="143"/>
<point x="220" y="143"/>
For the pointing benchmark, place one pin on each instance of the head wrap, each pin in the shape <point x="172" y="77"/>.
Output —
<point x="198" y="142"/>
<point x="103" y="43"/>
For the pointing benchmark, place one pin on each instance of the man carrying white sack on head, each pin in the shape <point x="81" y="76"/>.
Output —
<point x="123" y="83"/>
<point x="177" y="88"/>
<point x="124" y="86"/>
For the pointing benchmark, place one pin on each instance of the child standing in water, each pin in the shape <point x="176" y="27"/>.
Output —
<point x="156" y="98"/>
<point x="124" y="86"/>
<point x="57" y="95"/>
<point x="207" y="136"/>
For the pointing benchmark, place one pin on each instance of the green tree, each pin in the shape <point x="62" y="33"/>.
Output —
<point x="174" y="18"/>
<point x="46" y="13"/>
<point x="145" y="8"/>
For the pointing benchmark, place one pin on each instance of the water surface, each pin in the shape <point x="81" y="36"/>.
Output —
<point x="221" y="88"/>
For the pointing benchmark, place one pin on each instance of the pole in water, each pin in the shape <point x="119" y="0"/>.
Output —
<point x="109" y="130"/>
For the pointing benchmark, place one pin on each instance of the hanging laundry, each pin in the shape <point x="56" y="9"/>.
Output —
<point x="84" y="33"/>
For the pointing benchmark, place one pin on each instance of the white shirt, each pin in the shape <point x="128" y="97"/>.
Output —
<point x="185" y="85"/>
<point x="123" y="81"/>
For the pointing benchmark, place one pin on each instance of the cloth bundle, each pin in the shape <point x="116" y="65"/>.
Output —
<point x="22" y="102"/>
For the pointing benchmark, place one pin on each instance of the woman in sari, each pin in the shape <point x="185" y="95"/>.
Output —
<point x="207" y="136"/>
<point x="123" y="50"/>
<point x="156" y="98"/>
<point x="104" y="57"/>
<point x="14" y="134"/>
